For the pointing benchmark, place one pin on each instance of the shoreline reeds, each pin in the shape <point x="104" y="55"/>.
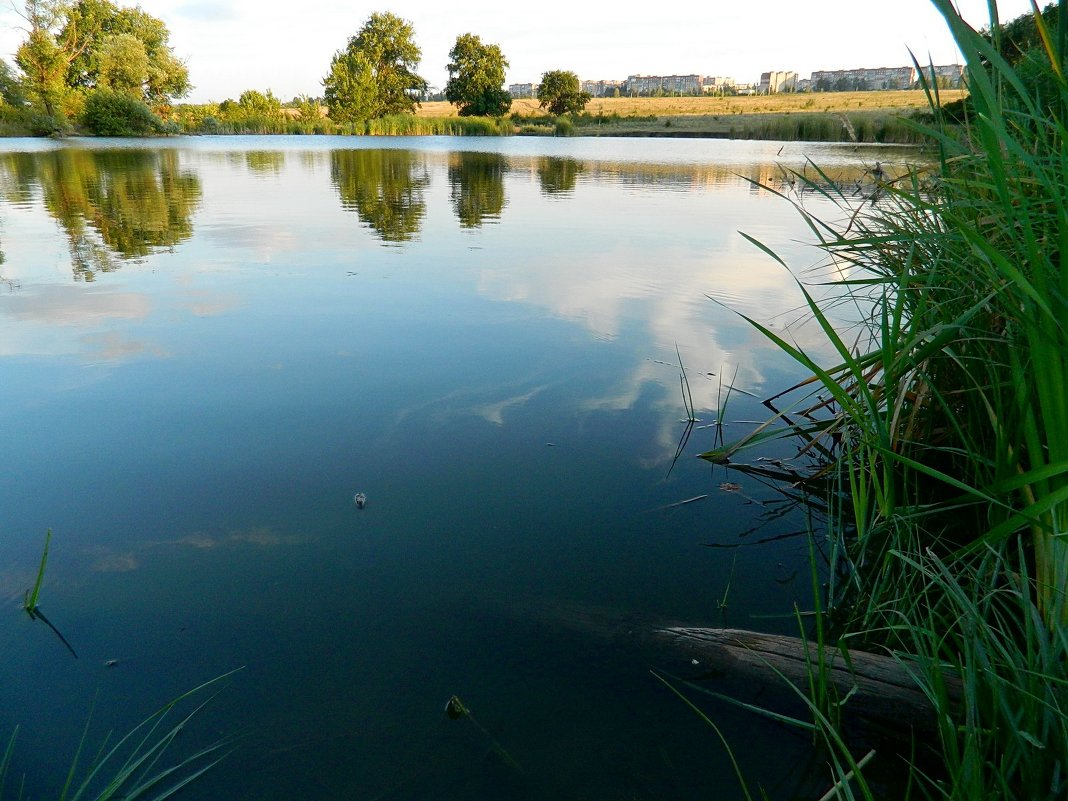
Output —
<point x="944" y="424"/>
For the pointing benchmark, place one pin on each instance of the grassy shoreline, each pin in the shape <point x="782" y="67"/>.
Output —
<point x="870" y="117"/>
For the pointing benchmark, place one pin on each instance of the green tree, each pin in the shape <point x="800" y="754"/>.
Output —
<point x="122" y="65"/>
<point x="12" y="91"/>
<point x="561" y="92"/>
<point x="41" y="57"/>
<point x="476" y="76"/>
<point x="309" y="108"/>
<point x="123" y="49"/>
<point x="75" y="47"/>
<point x="375" y="74"/>
<point x="254" y="102"/>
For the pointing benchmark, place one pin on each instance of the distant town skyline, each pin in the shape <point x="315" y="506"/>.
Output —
<point x="233" y="45"/>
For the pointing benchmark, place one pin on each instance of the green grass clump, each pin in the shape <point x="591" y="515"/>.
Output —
<point x="134" y="766"/>
<point x="865" y="127"/>
<point x="411" y="125"/>
<point x="943" y="424"/>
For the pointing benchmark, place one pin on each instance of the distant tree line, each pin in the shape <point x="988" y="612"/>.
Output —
<point x="110" y="70"/>
<point x="374" y="76"/>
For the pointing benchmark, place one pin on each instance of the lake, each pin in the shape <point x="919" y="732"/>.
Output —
<point x="208" y="346"/>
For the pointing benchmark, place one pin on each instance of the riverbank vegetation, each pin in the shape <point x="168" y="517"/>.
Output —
<point x="942" y="431"/>
<point x="93" y="67"/>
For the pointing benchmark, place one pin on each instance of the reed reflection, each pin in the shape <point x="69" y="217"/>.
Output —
<point x="113" y="205"/>
<point x="477" y="181"/>
<point x="265" y="162"/>
<point x="385" y="188"/>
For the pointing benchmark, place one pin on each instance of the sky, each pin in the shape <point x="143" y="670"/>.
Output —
<point x="233" y="45"/>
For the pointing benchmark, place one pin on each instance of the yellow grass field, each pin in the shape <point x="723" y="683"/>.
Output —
<point x="708" y="106"/>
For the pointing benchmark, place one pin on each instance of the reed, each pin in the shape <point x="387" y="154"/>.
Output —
<point x="29" y="603"/>
<point x="863" y="127"/>
<point x="135" y="765"/>
<point x="943" y="424"/>
<point x="213" y="119"/>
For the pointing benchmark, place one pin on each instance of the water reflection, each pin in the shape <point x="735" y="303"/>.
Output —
<point x="477" y="182"/>
<point x="559" y="175"/>
<point x="112" y="204"/>
<point x="265" y="162"/>
<point x="463" y="392"/>
<point x="385" y="188"/>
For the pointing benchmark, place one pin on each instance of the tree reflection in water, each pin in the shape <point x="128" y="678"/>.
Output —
<point x="477" y="182"/>
<point x="113" y="205"/>
<point x="385" y="188"/>
<point x="558" y="175"/>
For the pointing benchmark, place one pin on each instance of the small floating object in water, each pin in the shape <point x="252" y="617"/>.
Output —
<point x="455" y="709"/>
<point x="111" y="663"/>
<point x="361" y="500"/>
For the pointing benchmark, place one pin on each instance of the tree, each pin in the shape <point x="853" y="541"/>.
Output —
<point x="375" y="74"/>
<point x="74" y="48"/>
<point x="351" y="93"/>
<point x="476" y="76"/>
<point x="561" y="92"/>
<point x="12" y="91"/>
<point x="123" y="65"/>
<point x="41" y="58"/>
<point x="123" y="49"/>
<point x="257" y="103"/>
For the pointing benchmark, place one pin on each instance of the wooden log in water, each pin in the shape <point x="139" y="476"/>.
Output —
<point x="876" y="689"/>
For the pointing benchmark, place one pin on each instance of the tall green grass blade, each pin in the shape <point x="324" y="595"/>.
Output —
<point x="144" y="746"/>
<point x="5" y="761"/>
<point x="30" y="602"/>
<point x="719" y="733"/>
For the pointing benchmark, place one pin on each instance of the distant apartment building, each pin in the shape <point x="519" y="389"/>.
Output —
<point x="660" y="84"/>
<point x="951" y="75"/>
<point x="518" y="90"/>
<point x="777" y="81"/>
<point x="683" y="84"/>
<point x="864" y="79"/>
<point x="716" y="84"/>
<point x="643" y="84"/>
<point x="602" y="88"/>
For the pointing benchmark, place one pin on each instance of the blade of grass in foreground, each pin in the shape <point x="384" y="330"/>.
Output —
<point x="138" y="774"/>
<point x="30" y="601"/>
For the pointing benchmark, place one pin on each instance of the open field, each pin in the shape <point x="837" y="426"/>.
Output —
<point x="718" y="106"/>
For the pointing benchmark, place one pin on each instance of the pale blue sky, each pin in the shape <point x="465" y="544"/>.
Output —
<point x="232" y="45"/>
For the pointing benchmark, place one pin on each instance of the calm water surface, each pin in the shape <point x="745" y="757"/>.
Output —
<point x="207" y="346"/>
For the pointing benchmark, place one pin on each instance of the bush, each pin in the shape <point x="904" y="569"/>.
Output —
<point x="110" y="113"/>
<point x="41" y="124"/>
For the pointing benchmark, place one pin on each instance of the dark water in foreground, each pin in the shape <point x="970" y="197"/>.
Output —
<point x="207" y="346"/>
